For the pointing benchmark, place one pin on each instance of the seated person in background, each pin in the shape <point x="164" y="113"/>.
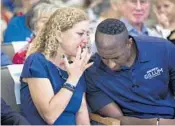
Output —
<point x="35" y="19"/>
<point x="5" y="60"/>
<point x="24" y="6"/>
<point x="10" y="117"/>
<point x="132" y="78"/>
<point x="17" y="29"/>
<point x="135" y="13"/>
<point x="164" y="11"/>
<point x="52" y="81"/>
<point x="6" y="13"/>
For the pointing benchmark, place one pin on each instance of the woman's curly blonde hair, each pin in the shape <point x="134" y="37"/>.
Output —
<point x="62" y="20"/>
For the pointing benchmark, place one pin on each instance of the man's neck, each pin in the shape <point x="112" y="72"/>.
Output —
<point x="133" y="56"/>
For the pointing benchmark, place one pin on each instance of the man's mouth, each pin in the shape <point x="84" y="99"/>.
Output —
<point x="138" y="15"/>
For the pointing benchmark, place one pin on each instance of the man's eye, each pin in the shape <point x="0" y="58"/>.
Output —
<point x="166" y="6"/>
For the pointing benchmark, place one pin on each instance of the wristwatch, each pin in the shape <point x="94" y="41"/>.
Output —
<point x="69" y="86"/>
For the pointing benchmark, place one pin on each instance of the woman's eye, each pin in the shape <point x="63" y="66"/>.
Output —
<point x="80" y="34"/>
<point x="88" y="33"/>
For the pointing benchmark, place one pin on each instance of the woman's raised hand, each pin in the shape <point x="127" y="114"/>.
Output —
<point x="80" y="64"/>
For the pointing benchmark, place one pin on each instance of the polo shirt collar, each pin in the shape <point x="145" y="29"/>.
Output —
<point x="142" y="54"/>
<point x="131" y="29"/>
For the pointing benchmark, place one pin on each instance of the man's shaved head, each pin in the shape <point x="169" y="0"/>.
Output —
<point x="113" y="44"/>
<point x="111" y="33"/>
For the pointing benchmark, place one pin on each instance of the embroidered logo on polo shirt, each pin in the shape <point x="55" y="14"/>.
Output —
<point x="153" y="73"/>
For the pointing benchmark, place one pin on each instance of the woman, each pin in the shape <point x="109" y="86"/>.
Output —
<point x="35" y="19"/>
<point x="164" y="10"/>
<point x="53" y="87"/>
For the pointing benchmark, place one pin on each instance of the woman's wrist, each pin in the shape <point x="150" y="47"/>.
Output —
<point x="73" y="80"/>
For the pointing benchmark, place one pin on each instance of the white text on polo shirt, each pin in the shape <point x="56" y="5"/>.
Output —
<point x="153" y="73"/>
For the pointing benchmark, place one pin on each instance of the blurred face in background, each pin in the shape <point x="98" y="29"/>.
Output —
<point x="41" y="21"/>
<point x="28" y="3"/>
<point x="166" y="7"/>
<point x="77" y="3"/>
<point x="136" y="11"/>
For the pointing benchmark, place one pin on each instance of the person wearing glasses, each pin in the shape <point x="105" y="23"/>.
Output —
<point x="134" y="15"/>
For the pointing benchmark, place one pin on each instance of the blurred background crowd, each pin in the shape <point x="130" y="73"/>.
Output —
<point x="22" y="19"/>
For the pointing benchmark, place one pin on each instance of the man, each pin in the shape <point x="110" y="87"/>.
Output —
<point x="135" y="13"/>
<point x="132" y="78"/>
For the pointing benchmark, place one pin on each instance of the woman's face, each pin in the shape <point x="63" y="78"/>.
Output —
<point x="77" y="36"/>
<point x="166" y="7"/>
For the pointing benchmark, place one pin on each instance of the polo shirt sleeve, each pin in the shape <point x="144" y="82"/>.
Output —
<point x="96" y="98"/>
<point x="34" y="67"/>
<point x="171" y="61"/>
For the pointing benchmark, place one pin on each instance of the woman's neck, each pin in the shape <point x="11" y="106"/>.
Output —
<point x="58" y="60"/>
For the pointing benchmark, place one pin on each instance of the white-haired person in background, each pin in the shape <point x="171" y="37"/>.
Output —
<point x="36" y="17"/>
<point x="164" y="11"/>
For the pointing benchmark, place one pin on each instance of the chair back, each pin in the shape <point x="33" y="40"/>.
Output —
<point x="8" y="49"/>
<point x="7" y="88"/>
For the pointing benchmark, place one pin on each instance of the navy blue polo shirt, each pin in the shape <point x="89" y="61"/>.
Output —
<point x="145" y="89"/>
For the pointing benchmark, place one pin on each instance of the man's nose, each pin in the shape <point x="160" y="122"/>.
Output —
<point x="138" y="5"/>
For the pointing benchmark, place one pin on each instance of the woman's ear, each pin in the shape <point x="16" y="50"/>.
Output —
<point x="59" y="37"/>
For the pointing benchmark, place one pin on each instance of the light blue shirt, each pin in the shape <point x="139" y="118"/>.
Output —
<point x="132" y="31"/>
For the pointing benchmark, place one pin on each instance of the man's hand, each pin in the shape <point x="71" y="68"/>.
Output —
<point x="167" y="122"/>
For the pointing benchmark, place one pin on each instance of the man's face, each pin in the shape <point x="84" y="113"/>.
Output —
<point x="136" y="11"/>
<point x="114" y="56"/>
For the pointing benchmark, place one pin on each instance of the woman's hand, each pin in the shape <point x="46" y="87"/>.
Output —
<point x="79" y="65"/>
<point x="161" y="18"/>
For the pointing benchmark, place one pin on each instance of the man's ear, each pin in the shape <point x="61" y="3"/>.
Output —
<point x="130" y="41"/>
